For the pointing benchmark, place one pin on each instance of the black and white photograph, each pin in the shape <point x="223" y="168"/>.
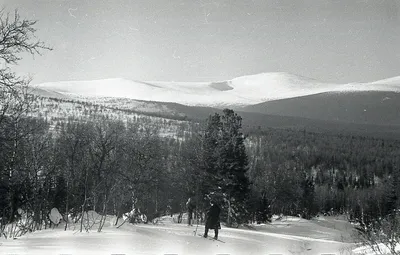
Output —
<point x="200" y="127"/>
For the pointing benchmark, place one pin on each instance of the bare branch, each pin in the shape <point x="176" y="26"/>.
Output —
<point x="16" y="36"/>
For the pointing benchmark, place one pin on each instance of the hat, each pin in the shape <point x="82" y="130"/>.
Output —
<point x="216" y="197"/>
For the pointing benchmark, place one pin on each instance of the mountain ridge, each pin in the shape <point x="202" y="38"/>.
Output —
<point x="240" y="91"/>
<point x="364" y="107"/>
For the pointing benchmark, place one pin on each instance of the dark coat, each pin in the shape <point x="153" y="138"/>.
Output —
<point x="191" y="206"/>
<point x="212" y="220"/>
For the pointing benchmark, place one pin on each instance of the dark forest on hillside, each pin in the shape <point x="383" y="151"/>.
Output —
<point x="110" y="167"/>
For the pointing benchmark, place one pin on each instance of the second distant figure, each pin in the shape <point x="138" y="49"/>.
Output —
<point x="190" y="206"/>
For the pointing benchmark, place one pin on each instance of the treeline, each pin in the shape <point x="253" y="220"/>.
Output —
<point x="303" y="173"/>
<point x="56" y="110"/>
<point x="107" y="166"/>
<point x="112" y="166"/>
<point x="101" y="106"/>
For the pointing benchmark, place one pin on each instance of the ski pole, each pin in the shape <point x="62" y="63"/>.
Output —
<point x="195" y="232"/>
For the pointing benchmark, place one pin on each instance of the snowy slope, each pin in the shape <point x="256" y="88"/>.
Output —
<point x="389" y="81"/>
<point x="172" y="238"/>
<point x="245" y="90"/>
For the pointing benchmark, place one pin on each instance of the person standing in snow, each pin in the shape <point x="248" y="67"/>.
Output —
<point x="212" y="220"/>
<point x="169" y="210"/>
<point x="190" y="206"/>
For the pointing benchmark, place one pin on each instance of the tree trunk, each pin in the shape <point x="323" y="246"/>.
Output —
<point x="157" y="198"/>
<point x="104" y="215"/>
<point x="84" y="201"/>
<point x="66" y="207"/>
<point x="229" y="212"/>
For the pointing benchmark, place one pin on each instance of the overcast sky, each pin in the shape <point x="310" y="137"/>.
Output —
<point x="193" y="40"/>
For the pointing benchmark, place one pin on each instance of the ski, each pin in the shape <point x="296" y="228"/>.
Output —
<point x="211" y="238"/>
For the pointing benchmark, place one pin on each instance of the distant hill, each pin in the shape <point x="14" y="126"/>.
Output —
<point x="240" y="91"/>
<point x="266" y="100"/>
<point x="366" y="107"/>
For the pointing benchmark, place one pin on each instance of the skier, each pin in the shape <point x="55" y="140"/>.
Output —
<point x="212" y="220"/>
<point x="181" y="209"/>
<point x="169" y="210"/>
<point x="190" y="206"/>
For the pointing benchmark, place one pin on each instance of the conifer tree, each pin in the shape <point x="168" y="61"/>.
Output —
<point x="226" y="164"/>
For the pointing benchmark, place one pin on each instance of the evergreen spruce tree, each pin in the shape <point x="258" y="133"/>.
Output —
<point x="308" y="200"/>
<point x="226" y="165"/>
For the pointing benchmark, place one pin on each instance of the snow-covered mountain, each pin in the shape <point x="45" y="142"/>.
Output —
<point x="241" y="91"/>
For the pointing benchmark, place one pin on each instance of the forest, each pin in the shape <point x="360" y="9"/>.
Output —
<point x="112" y="166"/>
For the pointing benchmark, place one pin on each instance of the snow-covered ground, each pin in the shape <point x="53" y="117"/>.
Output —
<point x="245" y="90"/>
<point x="283" y="236"/>
<point x="377" y="249"/>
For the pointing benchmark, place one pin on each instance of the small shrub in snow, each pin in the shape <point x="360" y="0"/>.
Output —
<point x="382" y="236"/>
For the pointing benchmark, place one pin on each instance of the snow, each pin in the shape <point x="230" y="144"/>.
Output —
<point x="377" y="249"/>
<point x="245" y="90"/>
<point x="55" y="216"/>
<point x="168" y="237"/>
<point x="149" y="239"/>
<point x="55" y="109"/>
<point x="391" y="81"/>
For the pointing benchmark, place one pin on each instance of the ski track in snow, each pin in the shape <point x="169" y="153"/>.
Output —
<point x="241" y="234"/>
